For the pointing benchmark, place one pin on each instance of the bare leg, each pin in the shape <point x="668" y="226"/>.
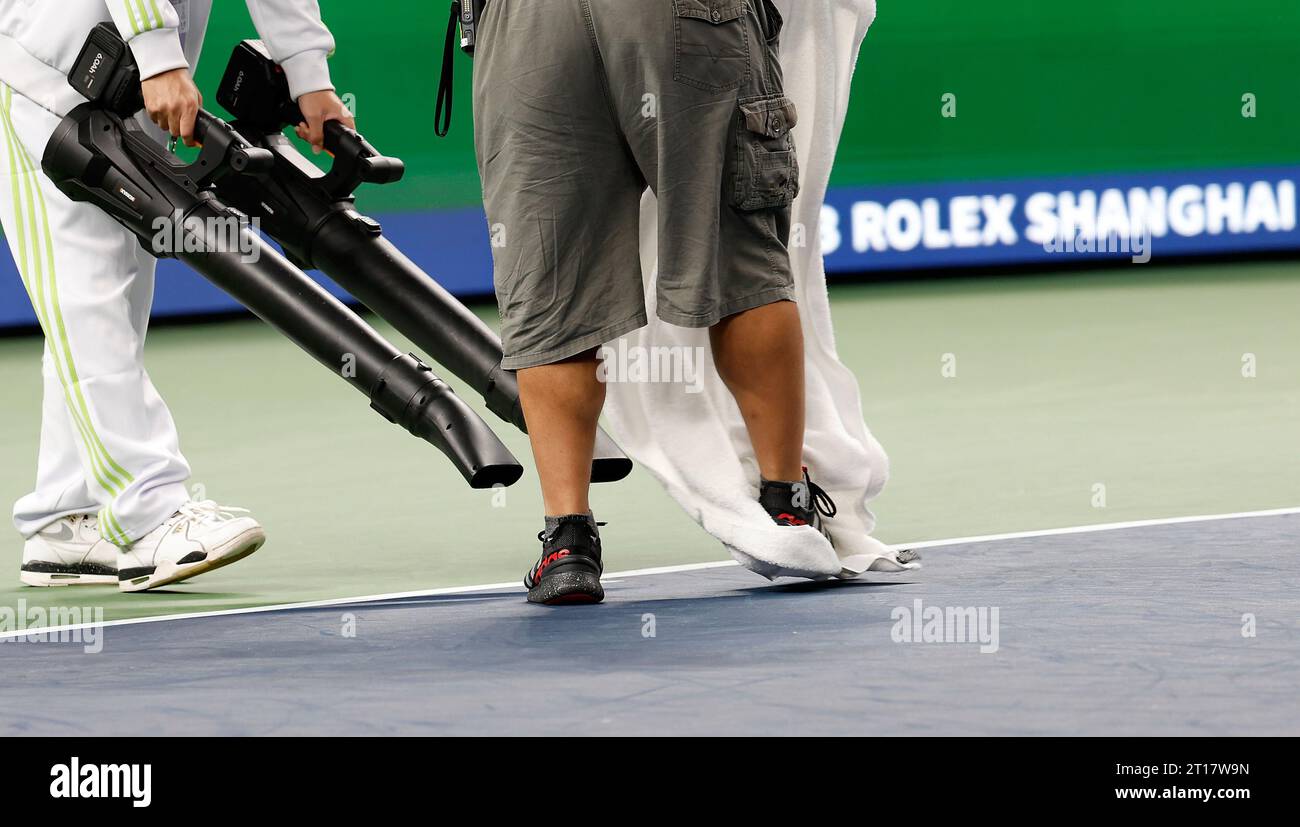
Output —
<point x="562" y="403"/>
<point x="759" y="354"/>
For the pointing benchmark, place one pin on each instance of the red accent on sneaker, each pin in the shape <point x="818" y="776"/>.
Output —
<point x="790" y="518"/>
<point x="553" y="557"/>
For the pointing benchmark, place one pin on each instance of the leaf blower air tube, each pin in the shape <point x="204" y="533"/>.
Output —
<point x="98" y="157"/>
<point x="311" y="214"/>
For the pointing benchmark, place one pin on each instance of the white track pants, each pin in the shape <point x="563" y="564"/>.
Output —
<point x="108" y="442"/>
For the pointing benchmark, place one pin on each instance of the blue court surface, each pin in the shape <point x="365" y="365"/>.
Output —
<point x="1185" y="628"/>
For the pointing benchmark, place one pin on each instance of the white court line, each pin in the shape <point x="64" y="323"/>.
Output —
<point x="1088" y="529"/>
<point x="514" y="584"/>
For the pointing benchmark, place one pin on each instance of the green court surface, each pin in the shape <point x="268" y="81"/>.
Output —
<point x="1077" y="399"/>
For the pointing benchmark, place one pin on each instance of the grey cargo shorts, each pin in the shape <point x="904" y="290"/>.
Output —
<point x="579" y="106"/>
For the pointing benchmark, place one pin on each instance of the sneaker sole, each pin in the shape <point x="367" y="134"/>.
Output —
<point x="54" y="579"/>
<point x="567" y="588"/>
<point x="232" y="552"/>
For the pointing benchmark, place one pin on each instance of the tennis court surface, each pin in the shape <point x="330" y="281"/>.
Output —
<point x="1175" y="628"/>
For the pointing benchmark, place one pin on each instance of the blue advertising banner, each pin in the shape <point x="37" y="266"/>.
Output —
<point x="1016" y="222"/>
<point x="1046" y="221"/>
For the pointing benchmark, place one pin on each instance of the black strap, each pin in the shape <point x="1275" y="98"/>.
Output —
<point x="821" y="501"/>
<point x="441" y="117"/>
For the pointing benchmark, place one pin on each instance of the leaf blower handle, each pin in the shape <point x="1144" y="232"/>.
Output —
<point x="228" y="149"/>
<point x="356" y="162"/>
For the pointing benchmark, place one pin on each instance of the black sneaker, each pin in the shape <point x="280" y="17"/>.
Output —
<point x="797" y="503"/>
<point x="570" y="567"/>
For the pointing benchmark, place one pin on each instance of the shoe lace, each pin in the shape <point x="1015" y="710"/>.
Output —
<point x="205" y="511"/>
<point x="544" y="536"/>
<point x="820" y="500"/>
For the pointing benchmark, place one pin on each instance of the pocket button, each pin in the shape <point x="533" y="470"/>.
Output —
<point x="717" y="15"/>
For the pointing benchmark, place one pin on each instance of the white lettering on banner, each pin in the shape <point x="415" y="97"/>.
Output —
<point x="968" y="221"/>
<point x="904" y="224"/>
<point x="1286" y="200"/>
<point x="831" y="236"/>
<point x="998" y="225"/>
<point x="1187" y="210"/>
<point x="964" y="211"/>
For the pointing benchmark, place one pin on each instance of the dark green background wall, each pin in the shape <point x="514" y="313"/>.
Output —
<point x="1043" y="88"/>
<point x="1046" y="87"/>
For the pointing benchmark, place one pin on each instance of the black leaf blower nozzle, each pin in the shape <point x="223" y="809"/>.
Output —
<point x="105" y="157"/>
<point x="312" y="215"/>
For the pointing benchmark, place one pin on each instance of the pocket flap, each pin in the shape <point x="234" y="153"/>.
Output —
<point x="714" y="11"/>
<point x="773" y="117"/>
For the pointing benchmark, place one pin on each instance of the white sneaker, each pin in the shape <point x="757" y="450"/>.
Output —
<point x="202" y="536"/>
<point x="69" y="552"/>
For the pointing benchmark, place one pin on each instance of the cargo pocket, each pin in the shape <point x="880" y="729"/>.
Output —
<point x="711" y="44"/>
<point x="767" y="171"/>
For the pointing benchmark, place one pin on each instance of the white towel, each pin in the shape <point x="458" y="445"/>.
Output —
<point x="695" y="444"/>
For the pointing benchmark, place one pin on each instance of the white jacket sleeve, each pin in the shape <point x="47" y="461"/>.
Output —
<point x="297" y="40"/>
<point x="150" y="27"/>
